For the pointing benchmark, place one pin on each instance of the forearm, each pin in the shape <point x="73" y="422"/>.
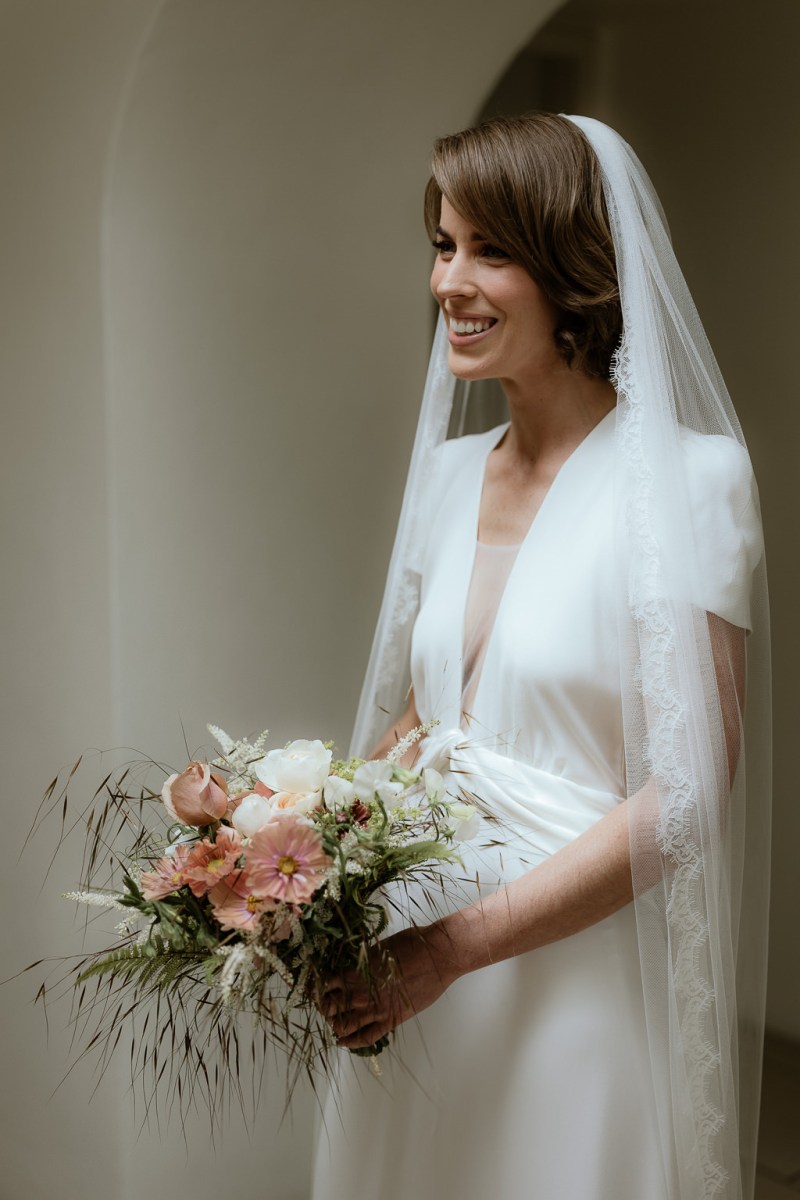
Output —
<point x="396" y="731"/>
<point x="581" y="884"/>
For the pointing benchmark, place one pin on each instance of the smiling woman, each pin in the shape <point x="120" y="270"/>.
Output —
<point x="586" y="578"/>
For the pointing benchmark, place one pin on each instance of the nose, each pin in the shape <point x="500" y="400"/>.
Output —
<point x="452" y="277"/>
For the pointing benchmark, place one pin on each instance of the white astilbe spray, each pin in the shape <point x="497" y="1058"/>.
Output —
<point x="236" y="975"/>
<point x="98" y="899"/>
<point x="237" y="757"/>
<point x="128" y="927"/>
<point x="406" y="742"/>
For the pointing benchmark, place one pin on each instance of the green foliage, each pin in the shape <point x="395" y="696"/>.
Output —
<point x="154" y="963"/>
<point x="346" y="768"/>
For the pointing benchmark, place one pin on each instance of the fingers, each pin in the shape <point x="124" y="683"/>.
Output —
<point x="349" y="1017"/>
<point x="333" y="1001"/>
<point x="347" y="1024"/>
<point x="367" y="1035"/>
<point x="337" y="1008"/>
<point x="361" y="1023"/>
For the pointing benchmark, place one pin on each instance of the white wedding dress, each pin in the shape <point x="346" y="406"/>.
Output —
<point x="530" y="1078"/>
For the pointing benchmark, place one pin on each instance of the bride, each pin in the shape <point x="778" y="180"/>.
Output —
<point x="572" y="597"/>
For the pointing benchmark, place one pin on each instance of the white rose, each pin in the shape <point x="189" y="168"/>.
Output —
<point x="302" y="767"/>
<point x="368" y="778"/>
<point x="466" y="820"/>
<point x="434" y="785"/>
<point x="251" y="815"/>
<point x="338" y="792"/>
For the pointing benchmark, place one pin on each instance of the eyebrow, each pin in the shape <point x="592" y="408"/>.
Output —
<point x="474" y="237"/>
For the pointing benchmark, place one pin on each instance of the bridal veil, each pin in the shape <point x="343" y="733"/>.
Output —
<point x="694" y="639"/>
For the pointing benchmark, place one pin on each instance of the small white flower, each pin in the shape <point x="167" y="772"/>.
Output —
<point x="368" y="778"/>
<point x="180" y="839"/>
<point x="251" y="815"/>
<point x="387" y="793"/>
<point x="434" y="785"/>
<point x="467" y="820"/>
<point x="338" y="792"/>
<point x="302" y="767"/>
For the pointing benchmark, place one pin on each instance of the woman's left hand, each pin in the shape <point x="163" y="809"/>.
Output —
<point x="361" y="1015"/>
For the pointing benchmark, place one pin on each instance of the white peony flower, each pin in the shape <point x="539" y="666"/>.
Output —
<point x="368" y="778"/>
<point x="251" y="815"/>
<point x="302" y="767"/>
<point x="466" y="820"/>
<point x="434" y="785"/>
<point x="339" y="793"/>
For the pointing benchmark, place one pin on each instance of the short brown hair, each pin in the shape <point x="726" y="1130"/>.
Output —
<point x="533" y="186"/>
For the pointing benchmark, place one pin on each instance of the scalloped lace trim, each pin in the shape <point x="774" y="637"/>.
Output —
<point x="677" y="833"/>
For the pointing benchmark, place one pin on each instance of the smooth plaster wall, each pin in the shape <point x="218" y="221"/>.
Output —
<point x="60" y="72"/>
<point x="205" y="438"/>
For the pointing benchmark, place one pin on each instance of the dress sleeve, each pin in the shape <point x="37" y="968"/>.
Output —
<point x="726" y="524"/>
<point x="449" y="459"/>
<point x="433" y="489"/>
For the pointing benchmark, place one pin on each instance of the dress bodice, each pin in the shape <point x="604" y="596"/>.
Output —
<point x="544" y="682"/>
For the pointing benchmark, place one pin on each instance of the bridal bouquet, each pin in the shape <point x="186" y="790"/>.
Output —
<point x="245" y="884"/>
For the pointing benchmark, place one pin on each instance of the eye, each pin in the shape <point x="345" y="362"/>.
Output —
<point x="489" y="251"/>
<point x="443" y="246"/>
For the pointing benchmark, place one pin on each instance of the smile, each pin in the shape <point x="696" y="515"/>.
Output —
<point x="471" y="326"/>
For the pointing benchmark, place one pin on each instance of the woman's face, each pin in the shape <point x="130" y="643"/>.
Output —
<point x="475" y="283"/>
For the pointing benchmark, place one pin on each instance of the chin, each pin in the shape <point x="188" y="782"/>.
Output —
<point x="468" y="370"/>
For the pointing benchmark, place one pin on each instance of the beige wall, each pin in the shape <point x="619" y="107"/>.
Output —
<point x="182" y="497"/>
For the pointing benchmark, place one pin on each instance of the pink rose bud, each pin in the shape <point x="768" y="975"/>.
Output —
<point x="195" y="797"/>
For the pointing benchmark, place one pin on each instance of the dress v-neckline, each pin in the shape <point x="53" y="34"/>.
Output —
<point x="493" y="446"/>
<point x="524" y="544"/>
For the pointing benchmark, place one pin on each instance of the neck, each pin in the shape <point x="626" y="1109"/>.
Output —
<point x="555" y="411"/>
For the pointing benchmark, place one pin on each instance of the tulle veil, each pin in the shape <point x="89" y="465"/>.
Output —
<point x="697" y="725"/>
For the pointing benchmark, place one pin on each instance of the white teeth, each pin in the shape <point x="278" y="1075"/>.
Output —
<point x="468" y="326"/>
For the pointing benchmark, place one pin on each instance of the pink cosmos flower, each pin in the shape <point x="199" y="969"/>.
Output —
<point x="196" y="796"/>
<point x="168" y="875"/>
<point x="235" y="905"/>
<point x="209" y="862"/>
<point x="286" y="861"/>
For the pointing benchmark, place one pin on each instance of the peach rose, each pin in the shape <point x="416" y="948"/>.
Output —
<point x="196" y="796"/>
<point x="296" y="802"/>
